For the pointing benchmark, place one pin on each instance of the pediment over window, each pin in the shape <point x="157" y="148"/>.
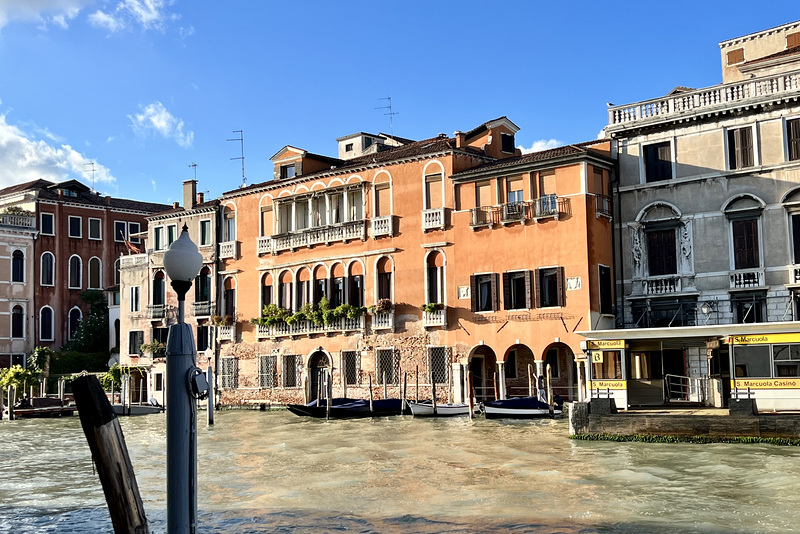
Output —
<point x="792" y="197"/>
<point x="658" y="212"/>
<point x="744" y="203"/>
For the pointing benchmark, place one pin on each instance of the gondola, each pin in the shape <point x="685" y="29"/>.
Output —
<point x="425" y="409"/>
<point x="344" y="408"/>
<point x="519" y="408"/>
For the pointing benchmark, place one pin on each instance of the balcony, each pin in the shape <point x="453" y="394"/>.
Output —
<point x="202" y="308"/>
<point x="547" y="206"/>
<point x="134" y="260"/>
<point x="707" y="100"/>
<point x="747" y="279"/>
<point x="381" y="226"/>
<point x="483" y="216"/>
<point x="383" y="321"/>
<point x="602" y="206"/>
<point x="226" y="333"/>
<point x="664" y="285"/>
<point x="227" y="250"/>
<point x="434" y="318"/>
<point x="313" y="236"/>
<point x="22" y="221"/>
<point x="156" y="311"/>
<point x="433" y="219"/>
<point x="304" y="328"/>
<point x="512" y="212"/>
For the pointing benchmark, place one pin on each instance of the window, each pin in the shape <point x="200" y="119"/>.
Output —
<point x="348" y="147"/>
<point x="320" y="289"/>
<point x="609" y="367"/>
<point x="46" y="224"/>
<point x="337" y="292"/>
<point x="134" y="228"/>
<point x="792" y="40"/>
<point x="662" y="252"/>
<point x="18" y="266"/>
<point x="751" y="361"/>
<point x="664" y="312"/>
<point x="203" y="333"/>
<point x="74" y="226"/>
<point x="438" y="365"/>
<point x="740" y="148"/>
<point x="517" y="290"/>
<point x="551" y="359"/>
<point x="158" y="237"/>
<point x="229" y="226"/>
<point x="355" y="291"/>
<point x="114" y="298"/>
<point x="135" y="341"/>
<point x="94" y="229"/>
<point x="159" y="289"/>
<point x="229" y="372"/>
<point x="514" y="190"/>
<point x="387" y="366"/>
<point x="47" y="277"/>
<point x="158" y="381"/>
<point x="786" y="360"/>
<point x="46" y="323"/>
<point x="351" y="363"/>
<point x="116" y="271"/>
<point x="159" y="335"/>
<point x="745" y="244"/>
<point x="749" y="307"/>
<point x="658" y="162"/>
<point x="75" y="317"/>
<point x="172" y="231"/>
<point x="205" y="233"/>
<point x="75" y="274"/>
<point x="434" y="278"/>
<point x="507" y="143"/>
<point x="135" y="299"/>
<point x="287" y="171"/>
<point x="793" y="139"/>
<point x="301" y="293"/>
<point x="549" y="287"/>
<point x="735" y="56"/>
<point x="17" y="322"/>
<point x="267" y="371"/>
<point x="433" y="191"/>
<point x="606" y="299"/>
<point x="202" y="287"/>
<point x="483" y="288"/>
<point x="292" y="370"/>
<point x="95" y="273"/>
<point x="384" y="286"/>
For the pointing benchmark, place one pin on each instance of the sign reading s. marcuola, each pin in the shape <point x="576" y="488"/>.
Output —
<point x="607" y="344"/>
<point x="607" y="384"/>
<point x="758" y="339"/>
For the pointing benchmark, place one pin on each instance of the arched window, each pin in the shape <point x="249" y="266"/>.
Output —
<point x="116" y="272"/>
<point x="320" y="283"/>
<point x="383" y="269"/>
<point x="229" y="224"/>
<point x="48" y="269"/>
<point x="95" y="273"/>
<point x="302" y="287"/>
<point x="337" y="285"/>
<point x="75" y="272"/>
<point x="355" y="284"/>
<point x="434" y="277"/>
<point x="17" y="322"/>
<point x="202" y="287"/>
<point x="159" y="289"/>
<point x="46" y="323"/>
<point x="267" y="295"/>
<point x="229" y="297"/>
<point x="75" y="317"/>
<point x="18" y="266"/>
<point x="744" y="214"/>
<point x="285" y="290"/>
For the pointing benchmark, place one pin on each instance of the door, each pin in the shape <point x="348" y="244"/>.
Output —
<point x="318" y="366"/>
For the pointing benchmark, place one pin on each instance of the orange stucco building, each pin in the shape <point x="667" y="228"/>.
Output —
<point x="508" y="254"/>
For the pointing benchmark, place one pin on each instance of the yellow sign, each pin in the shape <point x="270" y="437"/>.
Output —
<point x="597" y="356"/>
<point x="759" y="339"/>
<point x="607" y="344"/>
<point x="607" y="384"/>
<point x="766" y="383"/>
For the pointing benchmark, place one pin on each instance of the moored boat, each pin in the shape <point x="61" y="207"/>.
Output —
<point x="343" y="408"/>
<point x="519" y="408"/>
<point x="426" y="409"/>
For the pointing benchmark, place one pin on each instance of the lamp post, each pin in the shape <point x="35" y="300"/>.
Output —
<point x="182" y="262"/>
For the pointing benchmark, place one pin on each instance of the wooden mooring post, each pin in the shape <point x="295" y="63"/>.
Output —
<point x="549" y="389"/>
<point x="370" y="393"/>
<point x="110" y="455"/>
<point x="12" y="399"/>
<point x="404" y="404"/>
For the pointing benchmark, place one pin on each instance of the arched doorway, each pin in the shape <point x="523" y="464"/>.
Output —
<point x="563" y="370"/>
<point x="520" y="365"/>
<point x="483" y="366"/>
<point x="318" y="365"/>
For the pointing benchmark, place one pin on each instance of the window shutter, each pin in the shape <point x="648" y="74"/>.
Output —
<point x="746" y="136"/>
<point x="537" y="289"/>
<point x="528" y="289"/>
<point x="506" y="291"/>
<point x="560" y="289"/>
<point x="793" y="133"/>
<point x="473" y="293"/>
<point x="495" y="297"/>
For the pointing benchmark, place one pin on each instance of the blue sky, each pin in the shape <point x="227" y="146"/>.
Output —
<point x="144" y="88"/>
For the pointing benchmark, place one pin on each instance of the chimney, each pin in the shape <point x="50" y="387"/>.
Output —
<point x="189" y="194"/>
<point x="108" y="200"/>
<point x="461" y="138"/>
<point x="201" y="197"/>
<point x="175" y="205"/>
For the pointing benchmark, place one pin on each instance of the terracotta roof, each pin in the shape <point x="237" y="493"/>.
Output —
<point x="181" y="209"/>
<point x="27" y="186"/>
<point x="783" y="53"/>
<point x="535" y="157"/>
<point x="49" y="191"/>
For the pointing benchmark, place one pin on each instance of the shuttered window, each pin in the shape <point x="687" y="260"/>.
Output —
<point x="383" y="200"/>
<point x="483" y="290"/>
<point x="658" y="162"/>
<point x="549" y="284"/>
<point x="793" y="40"/>
<point x="793" y="139"/>
<point x="740" y="148"/>
<point x="517" y="290"/>
<point x="661" y="252"/>
<point x="735" y="56"/>
<point x="547" y="183"/>
<point x="745" y="244"/>
<point x="433" y="191"/>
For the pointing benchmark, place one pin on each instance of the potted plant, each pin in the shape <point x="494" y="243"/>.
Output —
<point x="432" y="307"/>
<point x="382" y="306"/>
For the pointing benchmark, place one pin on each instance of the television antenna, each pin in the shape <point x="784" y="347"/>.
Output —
<point x="241" y="143"/>
<point x="390" y="113"/>
<point x="193" y="165"/>
<point x="93" y="171"/>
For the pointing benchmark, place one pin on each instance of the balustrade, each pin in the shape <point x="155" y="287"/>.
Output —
<point x="383" y="321"/>
<point x="661" y="286"/>
<point x="227" y="250"/>
<point x="313" y="236"/>
<point x="133" y="260"/>
<point x="202" y="308"/>
<point x="381" y="226"/>
<point x="156" y="311"/>
<point x="434" y="318"/>
<point x="25" y="221"/>
<point x="433" y="219"/>
<point x="226" y="333"/>
<point x="747" y="279"/>
<point x="301" y="328"/>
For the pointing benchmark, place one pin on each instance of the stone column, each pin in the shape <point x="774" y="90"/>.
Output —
<point x="501" y="379"/>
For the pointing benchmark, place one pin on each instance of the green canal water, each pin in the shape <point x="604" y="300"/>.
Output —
<point x="276" y="472"/>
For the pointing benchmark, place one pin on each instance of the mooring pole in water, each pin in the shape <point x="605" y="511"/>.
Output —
<point x="385" y="387"/>
<point x="328" y="389"/>
<point x="110" y="455"/>
<point x="12" y="399"/>
<point x="370" y="392"/>
<point x="549" y="389"/>
<point x="494" y="382"/>
<point x="417" y="397"/>
<point x="530" y="382"/>
<point x="405" y="388"/>
<point x="469" y="395"/>
<point x="433" y="392"/>
<point x="211" y="393"/>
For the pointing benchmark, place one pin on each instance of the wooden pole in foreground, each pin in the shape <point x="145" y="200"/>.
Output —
<point x="530" y="381"/>
<point x="328" y="390"/>
<point x="370" y="392"/>
<point x="417" y="398"/>
<point x="110" y="455"/>
<point x="549" y="389"/>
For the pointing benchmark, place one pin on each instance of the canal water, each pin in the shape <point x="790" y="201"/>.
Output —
<point x="265" y="472"/>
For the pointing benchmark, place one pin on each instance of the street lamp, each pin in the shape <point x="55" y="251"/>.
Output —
<point x="185" y="383"/>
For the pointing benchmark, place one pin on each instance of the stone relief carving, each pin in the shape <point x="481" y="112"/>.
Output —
<point x="636" y="250"/>
<point x="686" y="263"/>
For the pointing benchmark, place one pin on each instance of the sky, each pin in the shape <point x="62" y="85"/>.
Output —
<point x="132" y="97"/>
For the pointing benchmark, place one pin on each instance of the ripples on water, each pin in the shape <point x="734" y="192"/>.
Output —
<point x="276" y="472"/>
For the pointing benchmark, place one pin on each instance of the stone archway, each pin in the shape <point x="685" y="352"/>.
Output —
<point x="564" y="370"/>
<point x="318" y="364"/>
<point x="483" y="366"/>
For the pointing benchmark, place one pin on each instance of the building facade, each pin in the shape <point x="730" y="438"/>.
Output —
<point x="17" y="309"/>
<point x="708" y="236"/>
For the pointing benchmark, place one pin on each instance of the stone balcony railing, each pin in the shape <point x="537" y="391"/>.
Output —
<point x="226" y="333"/>
<point x="662" y="285"/>
<point x="383" y="321"/>
<point x="24" y="221"/>
<point x="706" y="100"/>
<point x="747" y="278"/>
<point x="794" y="274"/>
<point x="304" y="328"/>
<point x="435" y="318"/>
<point x="433" y="219"/>
<point x="312" y="236"/>
<point x="381" y="226"/>
<point x="227" y="250"/>
<point x="202" y="308"/>
<point x="133" y="260"/>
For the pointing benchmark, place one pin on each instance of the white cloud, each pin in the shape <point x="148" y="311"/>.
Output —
<point x="56" y="12"/>
<point x="541" y="144"/>
<point x="149" y="14"/>
<point x="99" y="19"/>
<point x="24" y="158"/>
<point x="155" y="117"/>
